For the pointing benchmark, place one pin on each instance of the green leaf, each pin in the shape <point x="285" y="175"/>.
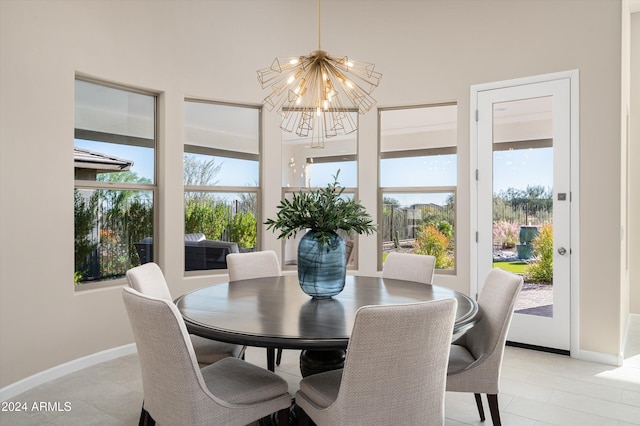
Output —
<point x="323" y="211"/>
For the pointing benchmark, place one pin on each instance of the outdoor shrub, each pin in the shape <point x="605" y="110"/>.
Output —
<point x="541" y="270"/>
<point x="85" y="213"/>
<point x="114" y="258"/>
<point x="139" y="224"/>
<point x="506" y="234"/>
<point x="436" y="215"/>
<point x="205" y="215"/>
<point x="242" y="230"/>
<point x="432" y="242"/>
<point x="445" y="228"/>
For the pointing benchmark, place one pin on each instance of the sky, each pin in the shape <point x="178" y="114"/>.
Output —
<point x="512" y="169"/>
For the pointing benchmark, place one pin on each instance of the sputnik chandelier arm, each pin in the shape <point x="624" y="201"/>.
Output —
<point x="315" y="94"/>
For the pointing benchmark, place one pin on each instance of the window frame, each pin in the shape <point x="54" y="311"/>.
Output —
<point x="210" y="151"/>
<point x="424" y="189"/>
<point x="82" y="184"/>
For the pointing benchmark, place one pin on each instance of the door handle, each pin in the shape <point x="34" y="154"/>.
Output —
<point x="562" y="251"/>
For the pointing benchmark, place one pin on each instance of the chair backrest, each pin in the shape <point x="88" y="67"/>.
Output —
<point x="348" y="249"/>
<point x="409" y="267"/>
<point x="396" y="364"/>
<point x="257" y="264"/>
<point x="149" y="280"/>
<point x="172" y="383"/>
<point x="486" y="340"/>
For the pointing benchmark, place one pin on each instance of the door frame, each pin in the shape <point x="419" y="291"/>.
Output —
<point x="574" y="125"/>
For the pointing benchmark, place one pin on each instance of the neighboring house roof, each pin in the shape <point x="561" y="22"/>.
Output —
<point x="86" y="159"/>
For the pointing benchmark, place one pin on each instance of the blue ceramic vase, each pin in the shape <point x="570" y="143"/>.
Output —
<point x="322" y="267"/>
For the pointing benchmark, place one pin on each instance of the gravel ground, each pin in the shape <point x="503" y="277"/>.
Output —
<point x="535" y="299"/>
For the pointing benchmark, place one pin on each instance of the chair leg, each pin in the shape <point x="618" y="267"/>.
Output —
<point x="480" y="407"/>
<point x="303" y="418"/>
<point x="279" y="357"/>
<point x="283" y="417"/>
<point x="493" y="408"/>
<point x="271" y="359"/>
<point x="145" y="418"/>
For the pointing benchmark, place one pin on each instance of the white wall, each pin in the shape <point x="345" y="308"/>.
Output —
<point x="429" y="51"/>
<point x="634" y="170"/>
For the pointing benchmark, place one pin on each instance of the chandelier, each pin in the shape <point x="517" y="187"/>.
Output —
<point x="317" y="94"/>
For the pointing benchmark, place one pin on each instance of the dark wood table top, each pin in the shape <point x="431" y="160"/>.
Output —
<point x="275" y="312"/>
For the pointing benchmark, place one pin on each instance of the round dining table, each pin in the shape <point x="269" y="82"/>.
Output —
<point x="274" y="312"/>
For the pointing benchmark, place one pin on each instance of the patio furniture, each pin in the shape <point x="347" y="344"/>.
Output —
<point x="199" y="254"/>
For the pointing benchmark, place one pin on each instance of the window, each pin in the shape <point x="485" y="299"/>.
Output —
<point x="114" y="191"/>
<point x="307" y="167"/>
<point x="221" y="182"/>
<point x="418" y="178"/>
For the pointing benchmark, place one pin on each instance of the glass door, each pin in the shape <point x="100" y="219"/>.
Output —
<point x="524" y="203"/>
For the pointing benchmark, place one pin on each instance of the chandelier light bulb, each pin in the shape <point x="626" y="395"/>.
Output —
<point x="315" y="94"/>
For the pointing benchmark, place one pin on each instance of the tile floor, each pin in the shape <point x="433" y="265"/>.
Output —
<point x="538" y="389"/>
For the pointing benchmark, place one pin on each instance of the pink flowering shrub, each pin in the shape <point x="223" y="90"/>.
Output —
<point x="506" y="234"/>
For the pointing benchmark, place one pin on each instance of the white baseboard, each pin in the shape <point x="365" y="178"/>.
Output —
<point x="58" y="371"/>
<point x="631" y="336"/>
<point x="599" y="357"/>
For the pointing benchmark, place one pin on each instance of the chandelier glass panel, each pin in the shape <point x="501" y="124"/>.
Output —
<point x="314" y="94"/>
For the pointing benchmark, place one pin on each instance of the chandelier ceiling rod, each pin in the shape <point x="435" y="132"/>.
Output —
<point x="316" y="94"/>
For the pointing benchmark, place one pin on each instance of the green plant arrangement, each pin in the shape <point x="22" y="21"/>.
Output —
<point x="323" y="211"/>
<point x="322" y="262"/>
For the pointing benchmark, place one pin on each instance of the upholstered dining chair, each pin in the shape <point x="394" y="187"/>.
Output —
<point x="148" y="279"/>
<point x="348" y="249"/>
<point x="402" y="384"/>
<point x="409" y="267"/>
<point x="256" y="264"/>
<point x="177" y="392"/>
<point x="475" y="360"/>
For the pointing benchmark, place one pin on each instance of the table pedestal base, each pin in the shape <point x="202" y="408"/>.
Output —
<point x="313" y="362"/>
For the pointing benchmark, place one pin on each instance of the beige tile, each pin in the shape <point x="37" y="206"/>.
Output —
<point x="451" y="422"/>
<point x="598" y="407"/>
<point x="79" y="413"/>
<point x="19" y="418"/>
<point x="123" y="406"/>
<point x="528" y="390"/>
<point x="621" y="423"/>
<point x="630" y="398"/>
<point x="555" y="415"/>
<point x="581" y="387"/>
<point x="461" y="407"/>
